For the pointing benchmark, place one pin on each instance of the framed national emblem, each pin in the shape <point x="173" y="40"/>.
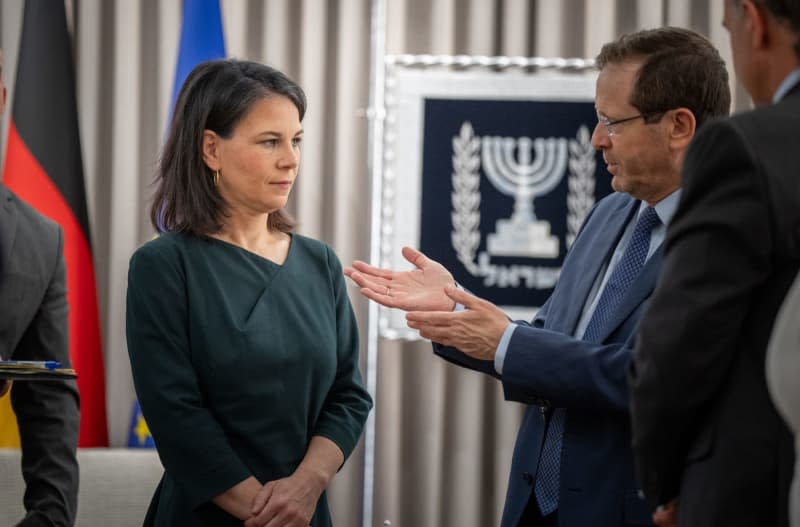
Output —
<point x="490" y="171"/>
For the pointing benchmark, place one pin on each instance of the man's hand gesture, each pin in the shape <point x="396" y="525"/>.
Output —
<point x="421" y="289"/>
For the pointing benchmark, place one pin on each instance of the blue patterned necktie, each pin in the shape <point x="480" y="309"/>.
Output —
<point x="622" y="276"/>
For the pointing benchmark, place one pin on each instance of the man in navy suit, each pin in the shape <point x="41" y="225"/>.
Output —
<point x="572" y="465"/>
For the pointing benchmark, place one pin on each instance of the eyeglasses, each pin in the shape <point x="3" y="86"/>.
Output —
<point x="610" y="125"/>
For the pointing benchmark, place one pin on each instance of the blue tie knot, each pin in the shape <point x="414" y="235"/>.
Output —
<point x="648" y="220"/>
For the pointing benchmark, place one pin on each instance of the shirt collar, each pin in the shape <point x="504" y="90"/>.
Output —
<point x="788" y="83"/>
<point x="665" y="209"/>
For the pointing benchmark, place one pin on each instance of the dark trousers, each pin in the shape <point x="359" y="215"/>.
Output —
<point x="533" y="518"/>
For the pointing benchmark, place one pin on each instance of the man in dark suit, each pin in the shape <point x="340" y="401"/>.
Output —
<point x="33" y="326"/>
<point x="704" y="428"/>
<point x="572" y="464"/>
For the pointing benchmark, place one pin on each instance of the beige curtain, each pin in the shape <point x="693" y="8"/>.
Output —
<point x="444" y="436"/>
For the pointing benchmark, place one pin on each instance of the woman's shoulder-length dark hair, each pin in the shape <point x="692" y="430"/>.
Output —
<point x="215" y="96"/>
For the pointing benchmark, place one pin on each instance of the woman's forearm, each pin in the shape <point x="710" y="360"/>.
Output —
<point x="238" y="500"/>
<point x="322" y="460"/>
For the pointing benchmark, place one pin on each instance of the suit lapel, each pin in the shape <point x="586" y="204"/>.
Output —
<point x="602" y="236"/>
<point x="8" y="228"/>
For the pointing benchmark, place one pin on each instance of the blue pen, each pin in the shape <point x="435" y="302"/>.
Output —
<point x="51" y="364"/>
<point x="48" y="364"/>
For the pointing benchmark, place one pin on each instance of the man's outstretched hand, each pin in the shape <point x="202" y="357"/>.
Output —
<point x="421" y="289"/>
<point x="476" y="330"/>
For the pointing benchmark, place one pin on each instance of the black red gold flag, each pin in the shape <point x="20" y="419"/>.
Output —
<point x="44" y="167"/>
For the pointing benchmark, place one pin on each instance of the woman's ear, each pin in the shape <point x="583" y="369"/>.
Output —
<point x="211" y="143"/>
<point x="682" y="127"/>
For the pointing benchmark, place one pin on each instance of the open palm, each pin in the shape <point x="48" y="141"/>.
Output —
<point x="421" y="289"/>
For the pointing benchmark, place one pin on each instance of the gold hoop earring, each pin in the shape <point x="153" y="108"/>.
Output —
<point x="216" y="178"/>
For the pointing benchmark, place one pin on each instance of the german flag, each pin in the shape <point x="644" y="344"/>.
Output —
<point x="44" y="167"/>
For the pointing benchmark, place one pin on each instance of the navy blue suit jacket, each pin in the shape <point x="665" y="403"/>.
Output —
<point x="545" y="367"/>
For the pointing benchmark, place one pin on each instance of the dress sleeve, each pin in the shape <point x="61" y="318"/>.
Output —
<point x="191" y="443"/>
<point x="347" y="404"/>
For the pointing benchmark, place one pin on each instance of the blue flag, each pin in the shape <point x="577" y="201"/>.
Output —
<point x="139" y="436"/>
<point x="202" y="39"/>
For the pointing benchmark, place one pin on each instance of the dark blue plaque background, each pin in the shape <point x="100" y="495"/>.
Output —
<point x="443" y="120"/>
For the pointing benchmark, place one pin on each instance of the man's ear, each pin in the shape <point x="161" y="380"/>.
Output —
<point x="755" y="20"/>
<point x="211" y="143"/>
<point x="682" y="127"/>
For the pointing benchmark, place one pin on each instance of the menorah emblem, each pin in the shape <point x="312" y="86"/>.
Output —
<point x="522" y="234"/>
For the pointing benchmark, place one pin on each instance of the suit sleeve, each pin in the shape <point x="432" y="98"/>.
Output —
<point x="453" y="355"/>
<point x="717" y="253"/>
<point x="191" y="443"/>
<point x="347" y="404"/>
<point x="47" y="412"/>
<point x="548" y="367"/>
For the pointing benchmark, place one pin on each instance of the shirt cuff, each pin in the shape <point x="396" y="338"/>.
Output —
<point x="502" y="348"/>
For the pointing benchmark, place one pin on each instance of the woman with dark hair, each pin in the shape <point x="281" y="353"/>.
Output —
<point x="242" y="341"/>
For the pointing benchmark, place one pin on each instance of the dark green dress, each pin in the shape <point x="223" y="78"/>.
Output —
<point x="237" y="363"/>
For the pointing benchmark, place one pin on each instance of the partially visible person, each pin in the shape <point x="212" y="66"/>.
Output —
<point x="242" y="341"/>
<point x="572" y="463"/>
<point x="34" y="326"/>
<point x="783" y="373"/>
<point x="706" y="435"/>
